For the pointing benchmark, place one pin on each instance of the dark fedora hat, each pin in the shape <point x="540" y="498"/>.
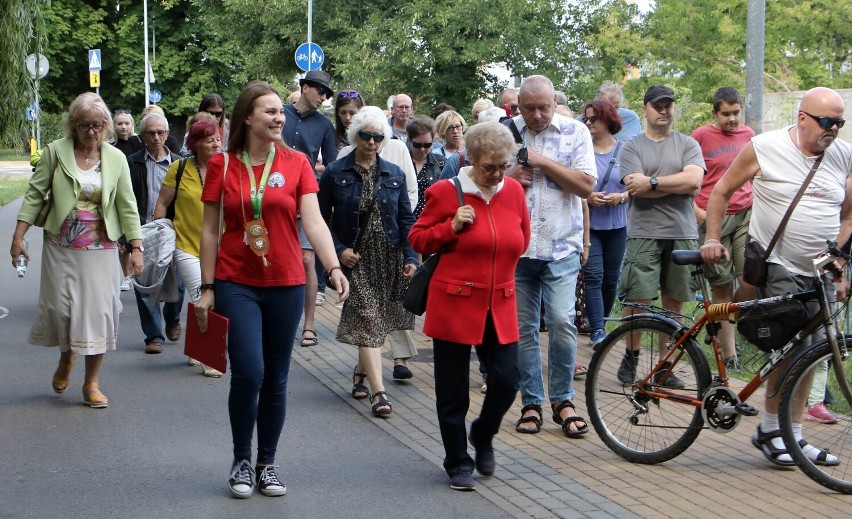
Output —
<point x="317" y="77"/>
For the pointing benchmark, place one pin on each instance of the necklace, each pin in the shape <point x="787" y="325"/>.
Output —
<point x="85" y="157"/>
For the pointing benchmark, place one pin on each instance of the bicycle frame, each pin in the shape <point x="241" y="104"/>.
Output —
<point x="715" y="312"/>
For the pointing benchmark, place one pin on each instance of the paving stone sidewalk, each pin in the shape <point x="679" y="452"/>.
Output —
<point x="547" y="475"/>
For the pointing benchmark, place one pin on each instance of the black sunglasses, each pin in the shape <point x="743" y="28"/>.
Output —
<point x="366" y="136"/>
<point x="826" y="122"/>
<point x="351" y="94"/>
<point x="421" y="144"/>
<point x="323" y="91"/>
<point x="217" y="115"/>
<point x="122" y="112"/>
<point x="590" y="119"/>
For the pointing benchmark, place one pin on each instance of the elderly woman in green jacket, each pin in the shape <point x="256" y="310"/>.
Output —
<point x="93" y="206"/>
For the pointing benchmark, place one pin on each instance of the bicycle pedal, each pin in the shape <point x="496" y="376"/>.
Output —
<point x="746" y="409"/>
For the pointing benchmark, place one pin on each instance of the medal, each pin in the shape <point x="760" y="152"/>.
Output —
<point x="256" y="235"/>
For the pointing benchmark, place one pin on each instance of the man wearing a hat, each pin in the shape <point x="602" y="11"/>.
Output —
<point x="662" y="170"/>
<point x="306" y="129"/>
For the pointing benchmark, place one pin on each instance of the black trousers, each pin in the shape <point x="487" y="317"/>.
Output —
<point x="452" y="394"/>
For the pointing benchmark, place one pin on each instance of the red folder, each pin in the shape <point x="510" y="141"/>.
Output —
<point x="209" y="347"/>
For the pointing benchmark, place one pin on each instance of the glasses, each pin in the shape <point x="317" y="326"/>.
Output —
<point x="592" y="119"/>
<point x="494" y="168"/>
<point x="97" y="127"/>
<point x="402" y="108"/>
<point x="323" y="91"/>
<point x="351" y="94"/>
<point x="826" y="122"/>
<point x="366" y="136"/>
<point x="158" y="133"/>
<point x="454" y="127"/>
<point x="122" y="112"/>
<point x="217" y="115"/>
<point x="421" y="145"/>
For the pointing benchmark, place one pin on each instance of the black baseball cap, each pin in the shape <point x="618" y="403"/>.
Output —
<point x="657" y="92"/>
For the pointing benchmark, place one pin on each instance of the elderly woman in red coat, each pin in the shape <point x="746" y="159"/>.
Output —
<point x="472" y="294"/>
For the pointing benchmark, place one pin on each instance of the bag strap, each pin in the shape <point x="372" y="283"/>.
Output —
<point x="222" y="200"/>
<point x="514" y="128"/>
<point x="611" y="164"/>
<point x="459" y="192"/>
<point x="50" y="164"/>
<point x="170" y="210"/>
<point x="789" y="212"/>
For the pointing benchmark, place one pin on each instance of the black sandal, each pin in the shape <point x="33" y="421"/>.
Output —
<point x="383" y="402"/>
<point x="566" y="422"/>
<point x="359" y="390"/>
<point x="823" y="457"/>
<point x="529" y="419"/>
<point x="307" y="342"/>
<point x="763" y="441"/>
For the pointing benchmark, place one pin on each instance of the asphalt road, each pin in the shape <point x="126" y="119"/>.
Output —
<point x="162" y="448"/>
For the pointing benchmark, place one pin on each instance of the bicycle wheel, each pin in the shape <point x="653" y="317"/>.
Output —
<point x="836" y="438"/>
<point x="636" y="426"/>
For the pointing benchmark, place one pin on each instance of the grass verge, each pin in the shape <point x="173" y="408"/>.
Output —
<point x="12" y="187"/>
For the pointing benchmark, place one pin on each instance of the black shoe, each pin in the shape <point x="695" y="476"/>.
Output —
<point x="485" y="463"/>
<point x="268" y="482"/>
<point x="627" y="369"/>
<point x="401" y="372"/>
<point x="463" y="482"/>
<point x="732" y="365"/>
<point x="241" y="481"/>
<point x="670" y="381"/>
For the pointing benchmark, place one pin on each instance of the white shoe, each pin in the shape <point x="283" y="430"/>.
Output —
<point x="126" y="285"/>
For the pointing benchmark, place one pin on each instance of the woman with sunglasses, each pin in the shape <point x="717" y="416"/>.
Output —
<point x="451" y="127"/>
<point x="364" y="199"/>
<point x="346" y="105"/>
<point x="421" y="135"/>
<point x="472" y="294"/>
<point x="92" y="206"/>
<point x="214" y="105"/>
<point x="607" y="217"/>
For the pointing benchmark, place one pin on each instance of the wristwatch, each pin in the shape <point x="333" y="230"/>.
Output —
<point x="654" y="181"/>
<point x="140" y="248"/>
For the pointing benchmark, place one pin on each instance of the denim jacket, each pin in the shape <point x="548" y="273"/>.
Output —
<point x="340" y="193"/>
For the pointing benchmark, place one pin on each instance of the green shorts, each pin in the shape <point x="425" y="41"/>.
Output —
<point x="648" y="269"/>
<point x="734" y="237"/>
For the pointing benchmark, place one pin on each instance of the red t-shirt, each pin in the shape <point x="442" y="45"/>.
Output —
<point x="719" y="150"/>
<point x="291" y="177"/>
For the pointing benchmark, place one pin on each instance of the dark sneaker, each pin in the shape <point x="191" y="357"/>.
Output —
<point x="732" y="365"/>
<point x="463" y="482"/>
<point x="627" y="369"/>
<point x="484" y="459"/>
<point x="268" y="483"/>
<point x="670" y="381"/>
<point x="241" y="481"/>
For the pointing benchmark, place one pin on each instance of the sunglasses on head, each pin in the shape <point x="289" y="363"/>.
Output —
<point x="366" y="136"/>
<point x="122" y="112"/>
<point x="421" y="144"/>
<point x="351" y="94"/>
<point x="826" y="122"/>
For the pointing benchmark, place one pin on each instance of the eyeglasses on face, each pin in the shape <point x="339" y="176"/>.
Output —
<point x="454" y="128"/>
<point x="122" y="111"/>
<point x="350" y="93"/>
<point x="323" y="91"/>
<point x="590" y="119"/>
<point x="494" y="168"/>
<point x="158" y="133"/>
<point x="402" y="108"/>
<point x="217" y="115"/>
<point x="421" y="145"/>
<point x="826" y="123"/>
<point x="97" y="127"/>
<point x="366" y="136"/>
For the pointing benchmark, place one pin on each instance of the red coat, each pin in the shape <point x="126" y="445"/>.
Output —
<point x="477" y="272"/>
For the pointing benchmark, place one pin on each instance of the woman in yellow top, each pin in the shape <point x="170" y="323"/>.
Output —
<point x="93" y="206"/>
<point x="204" y="140"/>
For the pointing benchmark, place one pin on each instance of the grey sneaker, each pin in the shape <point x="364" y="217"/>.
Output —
<point x="670" y="381"/>
<point x="268" y="482"/>
<point x="627" y="369"/>
<point x="464" y="482"/>
<point x="241" y="481"/>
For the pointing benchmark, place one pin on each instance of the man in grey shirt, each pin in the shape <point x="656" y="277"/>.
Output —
<point x="662" y="170"/>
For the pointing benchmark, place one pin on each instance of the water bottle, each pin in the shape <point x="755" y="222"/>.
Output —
<point x="21" y="262"/>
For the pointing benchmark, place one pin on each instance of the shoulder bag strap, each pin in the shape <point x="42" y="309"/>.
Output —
<point x="514" y="128"/>
<point x="222" y="200"/>
<point x="611" y="164"/>
<point x="789" y="212"/>
<point x="459" y="192"/>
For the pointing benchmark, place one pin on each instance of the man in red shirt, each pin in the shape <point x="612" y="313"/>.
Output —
<point x="721" y="142"/>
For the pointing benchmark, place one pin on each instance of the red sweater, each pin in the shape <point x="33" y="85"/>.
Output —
<point x="477" y="272"/>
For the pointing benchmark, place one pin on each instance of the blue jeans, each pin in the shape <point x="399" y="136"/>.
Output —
<point x="601" y="272"/>
<point x="263" y="324"/>
<point x="152" y="322"/>
<point x="553" y="283"/>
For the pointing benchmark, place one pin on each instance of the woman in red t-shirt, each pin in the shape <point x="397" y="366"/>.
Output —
<point x="257" y="187"/>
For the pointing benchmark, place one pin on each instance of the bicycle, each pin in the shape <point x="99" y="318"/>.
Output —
<point x="656" y="412"/>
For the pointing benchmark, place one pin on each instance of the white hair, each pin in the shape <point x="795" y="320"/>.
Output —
<point x="153" y="116"/>
<point x="369" y="116"/>
<point x="491" y="114"/>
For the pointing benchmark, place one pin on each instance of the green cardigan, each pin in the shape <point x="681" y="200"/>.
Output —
<point x="118" y="204"/>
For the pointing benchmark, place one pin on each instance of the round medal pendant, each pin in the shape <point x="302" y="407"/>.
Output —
<point x="256" y="230"/>
<point x="259" y="244"/>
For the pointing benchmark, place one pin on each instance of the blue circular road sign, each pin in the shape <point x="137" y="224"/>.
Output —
<point x="309" y="56"/>
<point x="155" y="96"/>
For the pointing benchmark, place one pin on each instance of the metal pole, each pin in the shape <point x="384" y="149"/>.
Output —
<point x="145" y="27"/>
<point x="310" y="31"/>
<point x="755" y="27"/>
<point x="38" y="112"/>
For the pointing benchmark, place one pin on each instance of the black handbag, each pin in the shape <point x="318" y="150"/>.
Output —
<point x="418" y="285"/>
<point x="771" y="326"/>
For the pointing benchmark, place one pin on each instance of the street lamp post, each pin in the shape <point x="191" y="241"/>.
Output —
<point x="147" y="65"/>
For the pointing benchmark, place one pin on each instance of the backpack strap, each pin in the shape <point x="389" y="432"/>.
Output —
<point x="170" y="211"/>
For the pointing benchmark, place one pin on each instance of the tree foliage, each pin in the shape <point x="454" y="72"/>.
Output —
<point x="21" y="34"/>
